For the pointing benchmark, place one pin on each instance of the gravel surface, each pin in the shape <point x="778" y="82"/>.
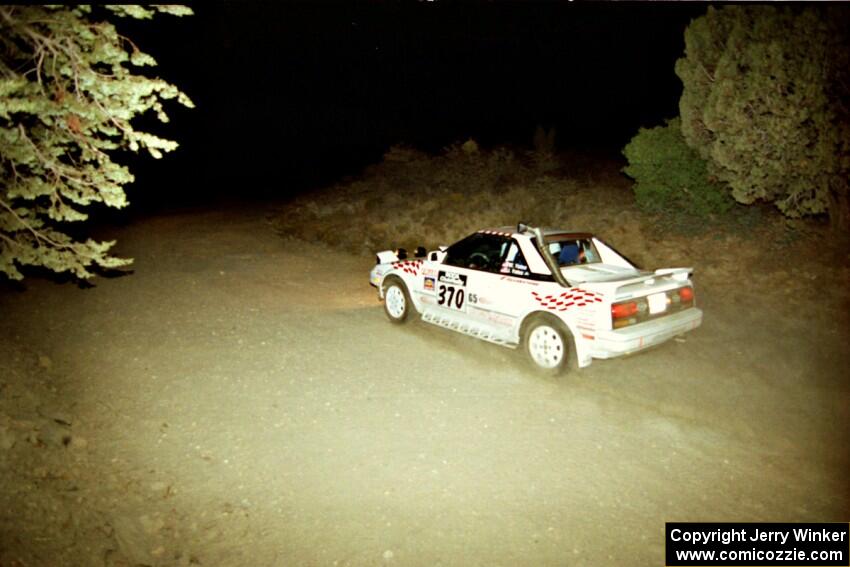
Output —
<point x="240" y="399"/>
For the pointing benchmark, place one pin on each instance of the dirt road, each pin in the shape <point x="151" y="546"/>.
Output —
<point x="241" y="400"/>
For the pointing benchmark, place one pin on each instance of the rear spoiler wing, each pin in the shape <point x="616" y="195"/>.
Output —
<point x="677" y="274"/>
<point x="390" y="256"/>
<point x="680" y="274"/>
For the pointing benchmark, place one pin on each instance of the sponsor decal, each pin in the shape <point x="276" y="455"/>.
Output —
<point x="499" y="319"/>
<point x="494" y="317"/>
<point x="513" y="268"/>
<point x="429" y="284"/>
<point x="517" y="280"/>
<point x="452" y="278"/>
<point x="429" y="272"/>
<point x="586" y="332"/>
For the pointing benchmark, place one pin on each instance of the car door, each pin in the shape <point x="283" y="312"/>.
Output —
<point x="468" y="266"/>
<point x="502" y="296"/>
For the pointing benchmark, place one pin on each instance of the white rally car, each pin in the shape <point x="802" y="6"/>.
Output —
<point x="566" y="297"/>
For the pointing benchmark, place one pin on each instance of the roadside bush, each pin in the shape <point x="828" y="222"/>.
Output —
<point x="671" y="178"/>
<point x="765" y="103"/>
<point x="415" y="198"/>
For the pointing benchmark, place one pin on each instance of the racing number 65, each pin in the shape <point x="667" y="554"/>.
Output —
<point x="451" y="297"/>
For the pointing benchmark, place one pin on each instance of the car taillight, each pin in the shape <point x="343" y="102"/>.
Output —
<point x="620" y="310"/>
<point x="655" y="305"/>
<point x="624" y="314"/>
<point x="628" y="313"/>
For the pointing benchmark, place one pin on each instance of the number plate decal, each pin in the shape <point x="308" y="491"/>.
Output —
<point x="657" y="303"/>
<point x="450" y="291"/>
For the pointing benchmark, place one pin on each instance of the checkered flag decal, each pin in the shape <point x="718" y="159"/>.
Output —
<point x="575" y="297"/>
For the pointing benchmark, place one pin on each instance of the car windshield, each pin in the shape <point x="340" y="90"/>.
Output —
<point x="571" y="251"/>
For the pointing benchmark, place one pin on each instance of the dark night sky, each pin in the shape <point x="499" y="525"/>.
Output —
<point x="295" y="95"/>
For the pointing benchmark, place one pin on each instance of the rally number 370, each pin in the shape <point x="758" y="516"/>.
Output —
<point x="450" y="297"/>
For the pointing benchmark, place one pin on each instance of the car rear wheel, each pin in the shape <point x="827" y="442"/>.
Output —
<point x="397" y="304"/>
<point x="549" y="345"/>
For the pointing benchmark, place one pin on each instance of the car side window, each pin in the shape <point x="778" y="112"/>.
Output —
<point x="479" y="251"/>
<point x="574" y="251"/>
<point x="514" y="262"/>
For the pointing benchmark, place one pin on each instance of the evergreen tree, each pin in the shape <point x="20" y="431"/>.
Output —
<point x="70" y="87"/>
<point x="765" y="104"/>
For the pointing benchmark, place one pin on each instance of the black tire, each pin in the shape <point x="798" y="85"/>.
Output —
<point x="397" y="304"/>
<point x="549" y="345"/>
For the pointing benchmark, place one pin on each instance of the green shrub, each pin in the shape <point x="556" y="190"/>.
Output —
<point x="765" y="103"/>
<point x="670" y="178"/>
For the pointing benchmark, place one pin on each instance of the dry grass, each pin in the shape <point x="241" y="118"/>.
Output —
<point x="412" y="198"/>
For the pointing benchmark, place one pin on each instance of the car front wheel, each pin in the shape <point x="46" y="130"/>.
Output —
<point x="397" y="303"/>
<point x="549" y="345"/>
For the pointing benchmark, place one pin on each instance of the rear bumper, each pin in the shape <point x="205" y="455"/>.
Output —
<point x="609" y="344"/>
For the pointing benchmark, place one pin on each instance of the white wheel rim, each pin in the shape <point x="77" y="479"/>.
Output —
<point x="395" y="302"/>
<point x="546" y="346"/>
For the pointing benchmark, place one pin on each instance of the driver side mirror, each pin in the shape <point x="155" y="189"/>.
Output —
<point x="436" y="256"/>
